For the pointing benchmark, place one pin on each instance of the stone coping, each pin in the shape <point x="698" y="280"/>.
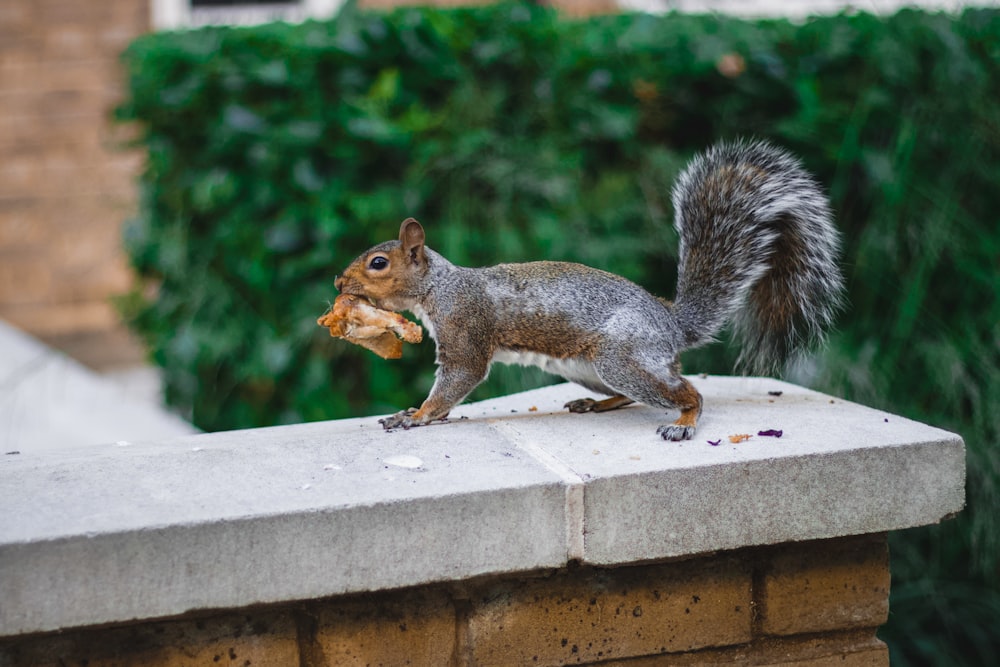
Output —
<point x="50" y="401"/>
<point x="140" y="530"/>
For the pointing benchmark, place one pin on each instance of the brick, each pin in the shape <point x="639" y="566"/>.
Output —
<point x="88" y="244"/>
<point x="18" y="175"/>
<point x="16" y="78"/>
<point x="50" y="177"/>
<point x="388" y="629"/>
<point x="107" y="349"/>
<point x="49" y="106"/>
<point x="70" y="41"/>
<point x="586" y="7"/>
<point x="261" y="640"/>
<point x="873" y="657"/>
<point x="63" y="11"/>
<point x="15" y="16"/>
<point x="28" y="130"/>
<point x="22" y="227"/>
<point x="61" y="319"/>
<point x="120" y="170"/>
<point x="82" y="261"/>
<point x="826" y="585"/>
<point x="850" y="649"/>
<point x="65" y="215"/>
<point x="24" y="281"/>
<point x="20" y="49"/>
<point x="18" y="104"/>
<point x="89" y="74"/>
<point x="116" y="37"/>
<point x="131" y="13"/>
<point x="590" y="615"/>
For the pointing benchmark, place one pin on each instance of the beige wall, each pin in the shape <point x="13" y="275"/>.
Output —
<point x="65" y="185"/>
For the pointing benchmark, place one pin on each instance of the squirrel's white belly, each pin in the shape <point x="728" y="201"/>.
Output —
<point x="576" y="370"/>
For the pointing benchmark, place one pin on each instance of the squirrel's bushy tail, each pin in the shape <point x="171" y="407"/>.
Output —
<point x="758" y="247"/>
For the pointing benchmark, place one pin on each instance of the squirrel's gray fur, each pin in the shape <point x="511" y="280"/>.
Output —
<point x="757" y="247"/>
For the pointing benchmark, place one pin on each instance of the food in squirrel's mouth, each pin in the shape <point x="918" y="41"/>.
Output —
<point x="382" y="331"/>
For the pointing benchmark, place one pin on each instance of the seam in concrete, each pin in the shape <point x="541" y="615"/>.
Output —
<point x="575" y="528"/>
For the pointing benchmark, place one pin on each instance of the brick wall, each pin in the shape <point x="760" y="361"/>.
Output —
<point x="65" y="186"/>
<point x="808" y="604"/>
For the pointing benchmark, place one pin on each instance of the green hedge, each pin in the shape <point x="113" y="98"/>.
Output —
<point x="277" y="153"/>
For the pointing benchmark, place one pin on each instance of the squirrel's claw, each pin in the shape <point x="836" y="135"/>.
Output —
<point x="675" y="432"/>
<point x="402" y="419"/>
<point x="593" y="405"/>
<point x="581" y="405"/>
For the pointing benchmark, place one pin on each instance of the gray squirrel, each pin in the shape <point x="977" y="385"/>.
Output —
<point x="758" y="248"/>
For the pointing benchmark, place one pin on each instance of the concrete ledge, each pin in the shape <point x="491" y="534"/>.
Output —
<point x="49" y="401"/>
<point x="111" y="533"/>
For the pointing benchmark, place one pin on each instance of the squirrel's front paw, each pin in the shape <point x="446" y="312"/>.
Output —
<point x="402" y="419"/>
<point x="675" y="432"/>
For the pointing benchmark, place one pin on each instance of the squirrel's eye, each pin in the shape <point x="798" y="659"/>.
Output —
<point x="378" y="263"/>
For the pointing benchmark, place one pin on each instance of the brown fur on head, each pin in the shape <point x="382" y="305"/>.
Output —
<point x="389" y="274"/>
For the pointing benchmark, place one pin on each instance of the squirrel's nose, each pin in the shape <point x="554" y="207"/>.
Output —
<point x="338" y="282"/>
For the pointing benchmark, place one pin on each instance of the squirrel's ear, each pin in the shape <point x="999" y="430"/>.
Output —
<point x="411" y="235"/>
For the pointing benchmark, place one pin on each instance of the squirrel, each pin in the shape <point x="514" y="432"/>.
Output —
<point x="758" y="248"/>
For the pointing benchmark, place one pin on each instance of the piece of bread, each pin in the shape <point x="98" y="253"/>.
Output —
<point x="381" y="331"/>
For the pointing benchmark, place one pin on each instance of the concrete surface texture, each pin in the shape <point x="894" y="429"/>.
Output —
<point x="48" y="401"/>
<point x="113" y="532"/>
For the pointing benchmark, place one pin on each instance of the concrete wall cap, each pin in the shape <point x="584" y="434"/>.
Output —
<point x="122" y="531"/>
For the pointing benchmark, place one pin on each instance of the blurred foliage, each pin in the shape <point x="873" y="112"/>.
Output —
<point x="278" y="153"/>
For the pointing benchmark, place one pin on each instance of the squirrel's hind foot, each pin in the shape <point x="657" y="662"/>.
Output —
<point x="581" y="405"/>
<point x="676" y="432"/>
<point x="683" y="428"/>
